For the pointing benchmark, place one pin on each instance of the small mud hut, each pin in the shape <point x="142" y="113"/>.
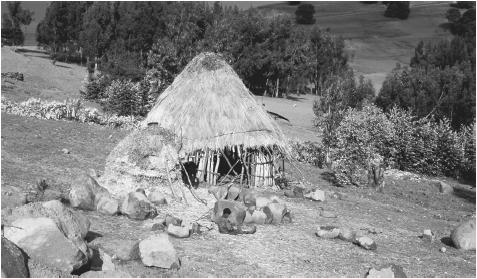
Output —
<point x="223" y="131"/>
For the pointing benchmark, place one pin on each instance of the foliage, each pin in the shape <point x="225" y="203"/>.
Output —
<point x="11" y="23"/>
<point x="397" y="9"/>
<point x="305" y="14"/>
<point x="308" y="152"/>
<point x="463" y="4"/>
<point x="96" y="87"/>
<point x="71" y="110"/>
<point x="361" y="136"/>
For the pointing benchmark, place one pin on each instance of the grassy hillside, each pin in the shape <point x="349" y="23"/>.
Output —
<point x="376" y="43"/>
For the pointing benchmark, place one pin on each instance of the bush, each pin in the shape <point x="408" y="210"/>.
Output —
<point x="398" y="9"/>
<point x="362" y="136"/>
<point x="304" y="14"/>
<point x="95" y="88"/>
<point x="308" y="152"/>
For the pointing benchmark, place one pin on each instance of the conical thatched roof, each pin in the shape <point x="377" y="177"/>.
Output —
<point x="208" y="105"/>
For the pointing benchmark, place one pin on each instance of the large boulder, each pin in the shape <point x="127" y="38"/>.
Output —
<point x="178" y="231"/>
<point x="463" y="236"/>
<point x="122" y="249"/>
<point x="263" y="200"/>
<point x="87" y="194"/>
<point x="158" y="251"/>
<point x="444" y="188"/>
<point x="231" y="210"/>
<point x="107" y="205"/>
<point x="41" y="239"/>
<point x="249" y="197"/>
<point x="14" y="261"/>
<point x="137" y="206"/>
<point x="157" y="197"/>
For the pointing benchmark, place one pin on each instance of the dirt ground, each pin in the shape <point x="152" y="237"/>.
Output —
<point x="394" y="219"/>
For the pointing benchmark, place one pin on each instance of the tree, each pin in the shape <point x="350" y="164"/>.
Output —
<point x="304" y="14"/>
<point x="12" y="21"/>
<point x="397" y="9"/>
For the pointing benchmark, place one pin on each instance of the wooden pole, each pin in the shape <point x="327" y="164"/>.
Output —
<point x="243" y="165"/>
<point x="216" y="174"/>
<point x="254" y="171"/>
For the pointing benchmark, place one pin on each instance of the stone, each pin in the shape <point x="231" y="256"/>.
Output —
<point x="41" y="239"/>
<point x="121" y="249"/>
<point x="137" y="206"/>
<point x="275" y="212"/>
<point x="92" y="173"/>
<point x="328" y="214"/>
<point x="172" y="220"/>
<point x="386" y="271"/>
<point x="259" y="217"/>
<point x="299" y="191"/>
<point x="289" y="194"/>
<point x="73" y="224"/>
<point x="249" y="197"/>
<point x="227" y="227"/>
<point x="196" y="228"/>
<point x="366" y="242"/>
<point x="12" y="197"/>
<point x="443" y="249"/>
<point x="158" y="251"/>
<point x="107" y="205"/>
<point x="346" y="234"/>
<point x="231" y="210"/>
<point x="65" y="151"/>
<point x="106" y="274"/>
<point x="262" y="201"/>
<point x="82" y="194"/>
<point x="428" y="235"/>
<point x="463" y="236"/>
<point x="248" y="217"/>
<point x="328" y="232"/>
<point x="233" y="193"/>
<point x="157" y="198"/>
<point x="14" y="261"/>
<point x="316" y="195"/>
<point x="177" y="231"/>
<point x="158" y="227"/>
<point x="444" y="188"/>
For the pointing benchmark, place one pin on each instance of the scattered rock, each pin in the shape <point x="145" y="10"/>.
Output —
<point x="65" y="151"/>
<point x="275" y="212"/>
<point x="12" y="197"/>
<point x="227" y="227"/>
<point x="14" y="261"/>
<point x="443" y="249"/>
<point x="249" y="197"/>
<point x="428" y="235"/>
<point x="231" y="210"/>
<point x="73" y="224"/>
<point x="158" y="227"/>
<point x="157" y="198"/>
<point x="299" y="192"/>
<point x="171" y="220"/>
<point x="346" y="234"/>
<point x="158" y="251"/>
<point x="82" y="194"/>
<point x="262" y="201"/>
<point x="316" y="195"/>
<point x="106" y="274"/>
<point x="328" y="214"/>
<point x="444" y="188"/>
<point x="387" y="271"/>
<point x="366" y="242"/>
<point x="121" y="249"/>
<point x="233" y="194"/>
<point x="328" y="232"/>
<point x="107" y="205"/>
<point x="248" y="217"/>
<point x="463" y="236"/>
<point x="177" y="231"/>
<point x="137" y="206"/>
<point x="41" y="239"/>
<point x="289" y="194"/>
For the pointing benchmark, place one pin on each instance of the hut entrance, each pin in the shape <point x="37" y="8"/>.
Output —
<point x="252" y="167"/>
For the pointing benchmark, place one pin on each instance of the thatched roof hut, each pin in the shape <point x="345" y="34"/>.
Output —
<point x="216" y="117"/>
<point x="209" y="106"/>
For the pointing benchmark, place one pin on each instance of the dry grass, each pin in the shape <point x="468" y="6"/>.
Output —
<point x="208" y="106"/>
<point x="31" y="149"/>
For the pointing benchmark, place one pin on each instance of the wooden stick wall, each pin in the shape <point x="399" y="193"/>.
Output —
<point x="256" y="170"/>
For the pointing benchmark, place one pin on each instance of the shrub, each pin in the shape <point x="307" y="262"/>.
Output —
<point x="119" y="97"/>
<point x="308" y="152"/>
<point x="305" y="14"/>
<point x="398" y="9"/>
<point x="96" y="87"/>
<point x="362" y="136"/>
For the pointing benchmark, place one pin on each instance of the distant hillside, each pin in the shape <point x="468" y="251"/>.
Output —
<point x="376" y="43"/>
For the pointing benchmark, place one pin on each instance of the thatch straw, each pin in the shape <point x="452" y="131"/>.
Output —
<point x="208" y="106"/>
